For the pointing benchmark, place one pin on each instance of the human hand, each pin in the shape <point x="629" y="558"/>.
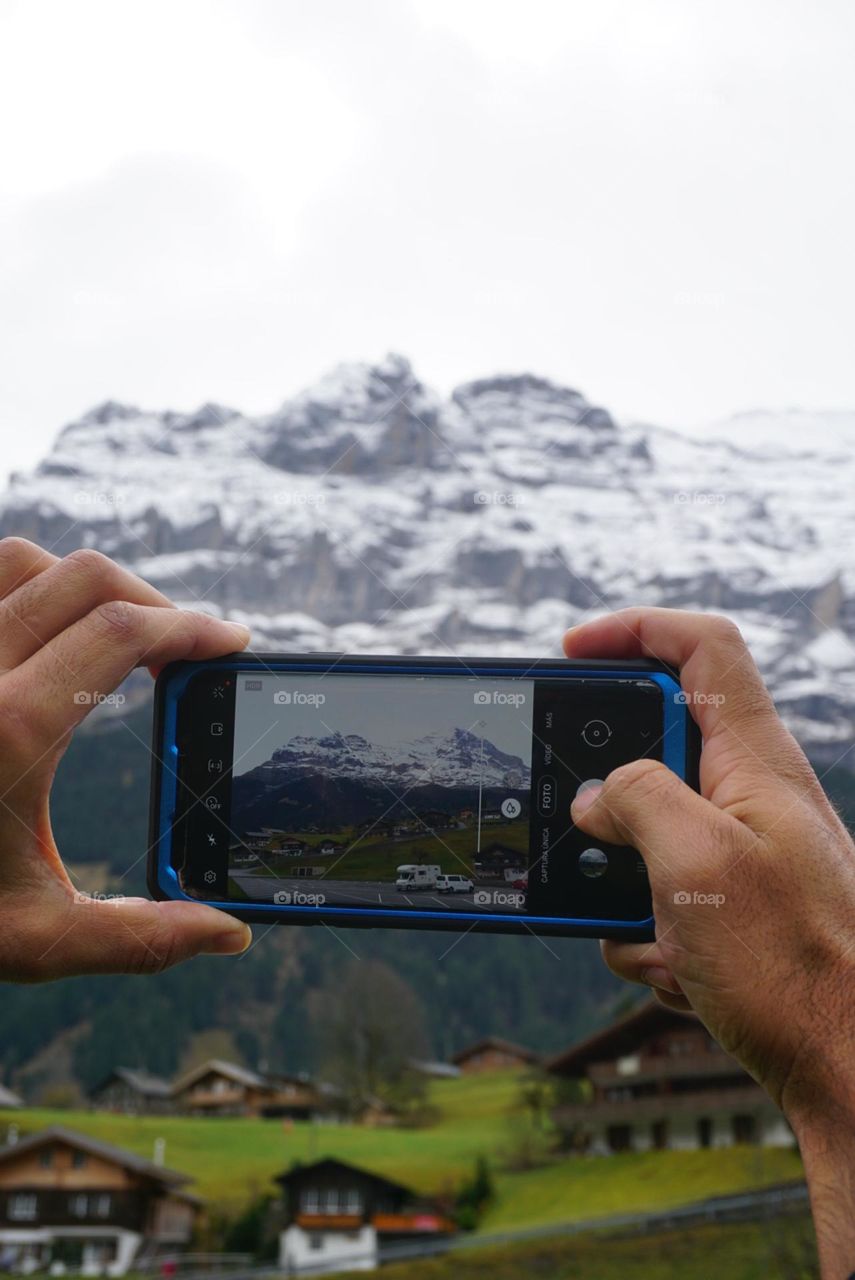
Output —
<point x="753" y="887"/>
<point x="71" y="629"/>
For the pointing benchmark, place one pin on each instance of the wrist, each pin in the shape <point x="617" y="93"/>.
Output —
<point x="825" y="1133"/>
<point x="821" y="1111"/>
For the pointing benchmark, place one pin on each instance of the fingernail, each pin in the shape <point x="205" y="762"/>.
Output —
<point x="664" y="979"/>
<point x="242" y="632"/>
<point x="231" y="942"/>
<point x="584" y="799"/>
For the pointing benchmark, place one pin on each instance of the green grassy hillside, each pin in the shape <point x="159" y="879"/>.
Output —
<point x="780" y="1249"/>
<point x="234" y="1159"/>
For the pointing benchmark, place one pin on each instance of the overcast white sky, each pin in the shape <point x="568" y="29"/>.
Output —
<point x="652" y="200"/>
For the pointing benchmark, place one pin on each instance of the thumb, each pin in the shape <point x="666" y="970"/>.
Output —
<point x="645" y="804"/>
<point x="134" y="935"/>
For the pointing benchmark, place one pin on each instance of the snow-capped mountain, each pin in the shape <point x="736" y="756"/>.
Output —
<point x="457" y="759"/>
<point x="371" y="514"/>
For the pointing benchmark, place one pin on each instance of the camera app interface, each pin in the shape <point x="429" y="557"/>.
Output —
<point x="439" y="793"/>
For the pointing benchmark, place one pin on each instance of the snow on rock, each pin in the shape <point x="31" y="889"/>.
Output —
<point x="369" y="513"/>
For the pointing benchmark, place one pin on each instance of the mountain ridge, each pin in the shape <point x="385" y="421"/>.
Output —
<point x="370" y="514"/>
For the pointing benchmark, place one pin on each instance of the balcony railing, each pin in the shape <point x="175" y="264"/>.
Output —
<point x="748" y="1098"/>
<point x="329" y="1221"/>
<point x="664" y="1067"/>
<point x="54" y="1208"/>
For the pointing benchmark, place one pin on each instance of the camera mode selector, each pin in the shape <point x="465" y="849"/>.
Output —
<point x="596" y="733"/>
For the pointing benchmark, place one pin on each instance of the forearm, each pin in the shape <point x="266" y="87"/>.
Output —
<point x="827" y="1144"/>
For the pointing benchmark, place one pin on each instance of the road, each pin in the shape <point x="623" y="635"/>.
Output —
<point x="366" y="893"/>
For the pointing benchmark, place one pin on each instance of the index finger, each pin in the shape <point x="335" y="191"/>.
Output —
<point x="724" y="689"/>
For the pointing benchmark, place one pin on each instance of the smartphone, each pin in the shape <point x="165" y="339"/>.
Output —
<point x="406" y="792"/>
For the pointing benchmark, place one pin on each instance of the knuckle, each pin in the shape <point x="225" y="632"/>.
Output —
<point x="14" y="549"/>
<point x="155" y="952"/>
<point x="119" y="617"/>
<point x="91" y="563"/>
<point x="750" y="702"/>
<point x="638" y="780"/>
<point x="726" y="631"/>
<point x="16" y="556"/>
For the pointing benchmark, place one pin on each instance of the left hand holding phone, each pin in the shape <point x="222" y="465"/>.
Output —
<point x="71" y="630"/>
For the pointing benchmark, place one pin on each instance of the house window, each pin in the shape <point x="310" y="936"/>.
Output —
<point x="681" y="1046"/>
<point x="310" y="1201"/>
<point x="353" y="1202"/>
<point x="78" y="1160"/>
<point x="78" y="1205"/>
<point x="331" y="1203"/>
<point x="316" y="1240"/>
<point x="23" y="1207"/>
<point x="705" y="1132"/>
<point x="102" y="1206"/>
<point x="46" y="1158"/>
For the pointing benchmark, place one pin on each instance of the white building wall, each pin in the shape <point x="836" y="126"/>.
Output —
<point x="127" y="1243"/>
<point x="683" y="1133"/>
<point x="777" y="1133"/>
<point x="722" y="1130"/>
<point x="339" y="1251"/>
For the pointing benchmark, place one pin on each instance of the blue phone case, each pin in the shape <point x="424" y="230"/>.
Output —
<point x="680" y="751"/>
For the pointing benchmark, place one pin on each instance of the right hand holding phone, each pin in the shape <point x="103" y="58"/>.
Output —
<point x="753" y="887"/>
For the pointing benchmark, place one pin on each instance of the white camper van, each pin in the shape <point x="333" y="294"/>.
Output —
<point x="412" y="878"/>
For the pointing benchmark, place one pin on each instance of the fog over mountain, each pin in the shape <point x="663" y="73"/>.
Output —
<point x="370" y="514"/>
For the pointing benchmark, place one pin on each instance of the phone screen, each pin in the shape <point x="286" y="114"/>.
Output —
<point x="403" y="792"/>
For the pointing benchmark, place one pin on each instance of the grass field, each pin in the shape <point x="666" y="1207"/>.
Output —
<point x="780" y="1249"/>
<point x="233" y="1159"/>
<point x="375" y="856"/>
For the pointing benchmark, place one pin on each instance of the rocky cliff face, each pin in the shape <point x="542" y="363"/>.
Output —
<point x="368" y="513"/>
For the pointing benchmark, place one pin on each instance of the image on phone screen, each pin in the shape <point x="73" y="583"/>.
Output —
<point x="397" y="791"/>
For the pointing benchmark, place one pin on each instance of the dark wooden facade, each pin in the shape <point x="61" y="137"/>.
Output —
<point x="656" y="1078"/>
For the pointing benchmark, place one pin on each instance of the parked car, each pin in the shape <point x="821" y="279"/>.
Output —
<point x="454" y="884"/>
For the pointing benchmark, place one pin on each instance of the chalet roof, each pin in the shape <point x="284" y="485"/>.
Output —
<point x="442" y="1070"/>
<point x="290" y="1077"/>
<point x="231" y="1070"/>
<point x="328" y="1164"/>
<point x="495" y="1042"/>
<point x="8" y="1099"/>
<point x="141" y="1082"/>
<point x="104" y="1150"/>
<point x="616" y="1040"/>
